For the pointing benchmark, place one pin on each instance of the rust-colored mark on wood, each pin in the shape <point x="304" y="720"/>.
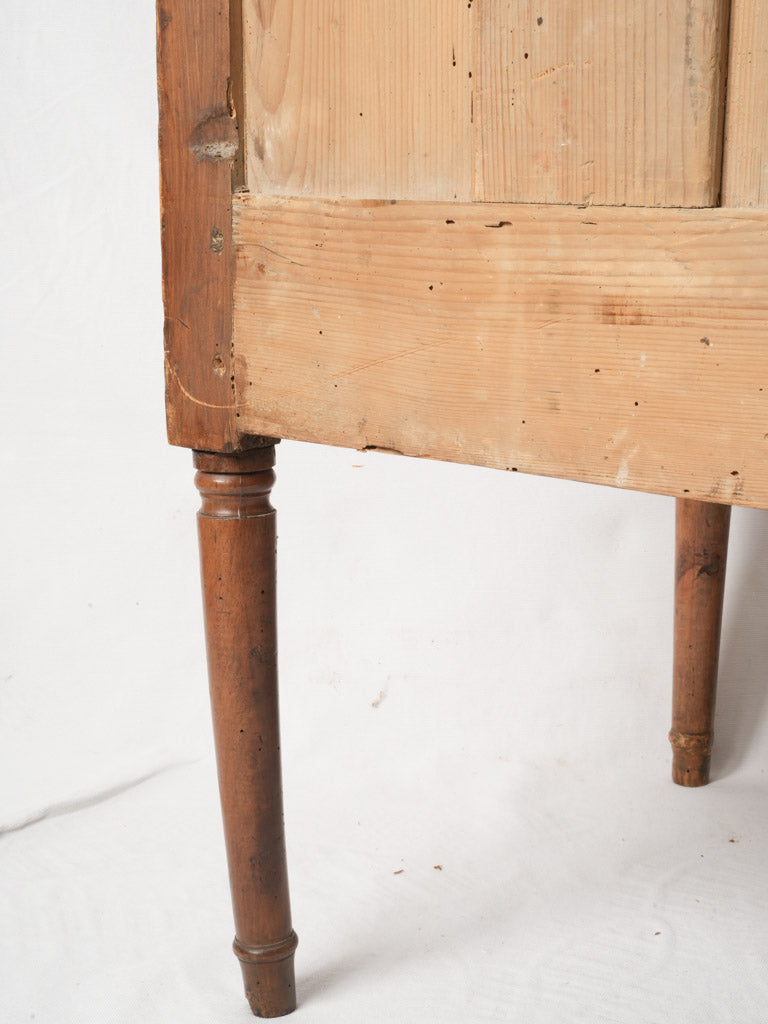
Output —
<point x="619" y="310"/>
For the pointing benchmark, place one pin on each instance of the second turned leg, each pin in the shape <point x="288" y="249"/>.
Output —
<point x="701" y="540"/>
<point x="237" y="549"/>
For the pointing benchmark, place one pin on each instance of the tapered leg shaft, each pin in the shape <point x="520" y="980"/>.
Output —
<point x="237" y="547"/>
<point x="700" y="558"/>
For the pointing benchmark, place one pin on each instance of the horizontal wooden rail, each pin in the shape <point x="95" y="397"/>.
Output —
<point x="620" y="346"/>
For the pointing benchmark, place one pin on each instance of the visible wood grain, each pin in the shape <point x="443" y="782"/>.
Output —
<point x="358" y="99"/>
<point x="745" y="170"/>
<point x="198" y="142"/>
<point x="237" y="549"/>
<point x="611" y="102"/>
<point x="625" y="347"/>
<point x="700" y="560"/>
<point x="599" y="101"/>
<point x="701" y="528"/>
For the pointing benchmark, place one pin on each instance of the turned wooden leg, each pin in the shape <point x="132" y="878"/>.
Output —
<point x="237" y="549"/>
<point x="701" y="552"/>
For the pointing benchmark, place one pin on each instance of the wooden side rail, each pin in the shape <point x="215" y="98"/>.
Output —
<point x="626" y="347"/>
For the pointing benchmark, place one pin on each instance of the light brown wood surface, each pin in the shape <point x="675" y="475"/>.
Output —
<point x="610" y="102"/>
<point x="625" y="347"/>
<point x="745" y="170"/>
<point x="358" y="99"/>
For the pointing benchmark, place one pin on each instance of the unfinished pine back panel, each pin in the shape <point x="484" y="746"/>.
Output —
<point x="522" y="235"/>
<point x="614" y="102"/>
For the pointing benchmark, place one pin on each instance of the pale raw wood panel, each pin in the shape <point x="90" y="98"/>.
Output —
<point x="598" y="101"/>
<point x="611" y="102"/>
<point x="355" y="99"/>
<point x="745" y="168"/>
<point x="625" y="347"/>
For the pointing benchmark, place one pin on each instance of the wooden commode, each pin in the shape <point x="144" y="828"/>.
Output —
<point x="528" y="236"/>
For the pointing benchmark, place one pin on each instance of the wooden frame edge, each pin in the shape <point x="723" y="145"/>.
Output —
<point x="199" y="145"/>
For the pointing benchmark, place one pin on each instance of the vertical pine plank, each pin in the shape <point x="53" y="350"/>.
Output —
<point x="362" y="100"/>
<point x="610" y="102"/>
<point x="745" y="165"/>
<point x="614" y="103"/>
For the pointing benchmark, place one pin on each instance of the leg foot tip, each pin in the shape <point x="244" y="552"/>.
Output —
<point x="270" y="988"/>
<point x="689" y="775"/>
<point x="268" y="976"/>
<point x="690" y="758"/>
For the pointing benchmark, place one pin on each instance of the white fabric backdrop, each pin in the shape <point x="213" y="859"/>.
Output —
<point x="475" y="668"/>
